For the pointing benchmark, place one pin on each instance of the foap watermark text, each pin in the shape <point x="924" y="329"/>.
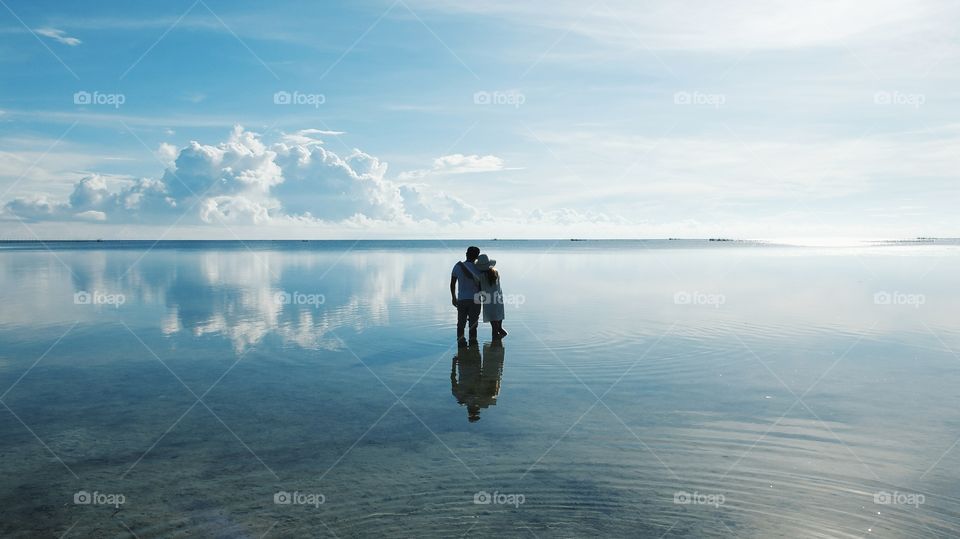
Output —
<point x="84" y="97"/>
<point x="297" y="97"/>
<point x="498" y="498"/>
<point x="96" y="297"/>
<point x="884" y="297"/>
<point x="682" y="497"/>
<point x="683" y="297"/>
<point x="296" y="497"/>
<point x="299" y="298"/>
<point x="83" y="497"/>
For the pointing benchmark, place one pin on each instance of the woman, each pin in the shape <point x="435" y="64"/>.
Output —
<point x="490" y="295"/>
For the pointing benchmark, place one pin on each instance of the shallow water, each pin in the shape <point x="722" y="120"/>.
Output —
<point x="781" y="391"/>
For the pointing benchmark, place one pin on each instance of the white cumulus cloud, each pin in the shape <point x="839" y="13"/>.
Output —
<point x="246" y="180"/>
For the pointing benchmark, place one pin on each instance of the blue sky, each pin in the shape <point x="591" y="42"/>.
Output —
<point x="503" y="119"/>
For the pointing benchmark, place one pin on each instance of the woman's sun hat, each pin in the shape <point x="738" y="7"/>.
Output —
<point x="484" y="263"/>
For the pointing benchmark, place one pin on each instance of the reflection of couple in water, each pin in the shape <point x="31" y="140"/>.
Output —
<point x="475" y="382"/>
<point x="475" y="283"/>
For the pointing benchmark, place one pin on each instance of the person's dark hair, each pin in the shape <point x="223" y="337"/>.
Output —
<point x="473" y="252"/>
<point x="492" y="276"/>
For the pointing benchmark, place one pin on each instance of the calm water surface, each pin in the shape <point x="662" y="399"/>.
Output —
<point x="647" y="389"/>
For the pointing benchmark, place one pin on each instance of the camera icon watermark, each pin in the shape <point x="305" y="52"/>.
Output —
<point x="296" y="97"/>
<point x="683" y="297"/>
<point x="884" y="297"/>
<point x="95" y="297"/>
<point x="299" y="498"/>
<point x="682" y="497"/>
<point x="299" y="298"/>
<point x="498" y="498"/>
<point x="899" y="498"/>
<point x="885" y="97"/>
<point x="699" y="98"/>
<point x="83" y="497"/>
<point x="511" y="98"/>
<point x="84" y="97"/>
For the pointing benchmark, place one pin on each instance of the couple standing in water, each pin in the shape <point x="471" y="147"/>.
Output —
<point x="475" y="287"/>
<point x="475" y="284"/>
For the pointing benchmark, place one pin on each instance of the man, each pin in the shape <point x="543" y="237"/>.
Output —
<point x="464" y="287"/>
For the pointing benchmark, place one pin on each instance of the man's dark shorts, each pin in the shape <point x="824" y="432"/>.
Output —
<point x="468" y="309"/>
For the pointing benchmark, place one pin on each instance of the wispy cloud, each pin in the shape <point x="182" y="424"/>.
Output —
<point x="726" y="170"/>
<point x="194" y="97"/>
<point x="457" y="163"/>
<point x="101" y="119"/>
<point x="59" y="36"/>
<point x="704" y="25"/>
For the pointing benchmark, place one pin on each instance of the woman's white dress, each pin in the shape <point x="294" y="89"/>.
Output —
<point x="492" y="299"/>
